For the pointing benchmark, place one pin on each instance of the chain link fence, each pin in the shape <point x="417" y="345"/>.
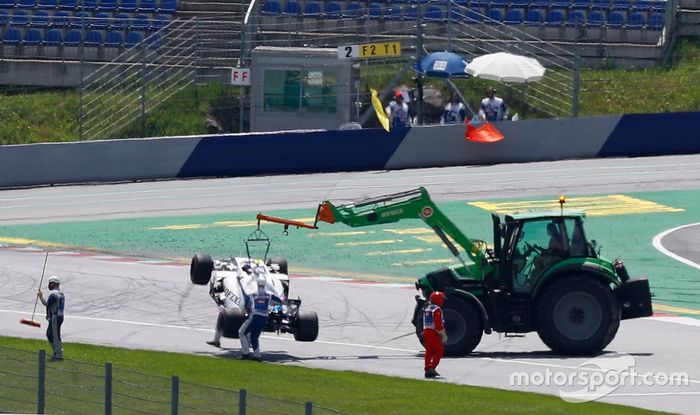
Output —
<point x="29" y="383"/>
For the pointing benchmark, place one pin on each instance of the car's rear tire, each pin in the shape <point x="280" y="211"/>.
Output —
<point x="201" y="268"/>
<point x="231" y="320"/>
<point x="577" y="315"/>
<point x="307" y="326"/>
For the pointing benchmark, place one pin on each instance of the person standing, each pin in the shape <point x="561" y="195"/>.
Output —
<point x="397" y="111"/>
<point x="55" y="304"/>
<point x="492" y="107"/>
<point x="455" y="111"/>
<point x="258" y="306"/>
<point x="434" y="333"/>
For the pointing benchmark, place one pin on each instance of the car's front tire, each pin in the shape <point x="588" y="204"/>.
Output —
<point x="201" y="268"/>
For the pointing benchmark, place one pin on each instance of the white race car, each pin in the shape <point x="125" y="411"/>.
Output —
<point x="230" y="279"/>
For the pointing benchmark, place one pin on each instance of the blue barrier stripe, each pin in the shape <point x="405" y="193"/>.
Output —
<point x="654" y="134"/>
<point x="292" y="152"/>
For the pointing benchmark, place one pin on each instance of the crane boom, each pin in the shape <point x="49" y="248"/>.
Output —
<point x="411" y="204"/>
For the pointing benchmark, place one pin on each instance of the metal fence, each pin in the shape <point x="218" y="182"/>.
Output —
<point x="31" y="384"/>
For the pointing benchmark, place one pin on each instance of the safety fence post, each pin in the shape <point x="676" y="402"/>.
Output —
<point x="309" y="408"/>
<point x="108" y="389"/>
<point x="175" y="395"/>
<point x="41" y="386"/>
<point x="241" y="401"/>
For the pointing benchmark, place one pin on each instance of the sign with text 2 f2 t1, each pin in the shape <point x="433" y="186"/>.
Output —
<point x="240" y="76"/>
<point x="370" y="50"/>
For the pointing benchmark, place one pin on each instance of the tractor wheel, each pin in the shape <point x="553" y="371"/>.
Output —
<point x="307" y="326"/>
<point x="231" y="319"/>
<point x="200" y="269"/>
<point x="577" y="315"/>
<point x="284" y="268"/>
<point x="463" y="324"/>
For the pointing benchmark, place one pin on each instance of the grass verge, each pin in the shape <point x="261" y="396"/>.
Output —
<point x="346" y="391"/>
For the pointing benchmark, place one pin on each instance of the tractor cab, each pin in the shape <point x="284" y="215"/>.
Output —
<point x="534" y="242"/>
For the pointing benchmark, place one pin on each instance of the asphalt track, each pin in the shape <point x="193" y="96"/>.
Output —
<point x="364" y="327"/>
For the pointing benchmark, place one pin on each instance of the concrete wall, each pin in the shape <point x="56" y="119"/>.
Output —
<point x="346" y="150"/>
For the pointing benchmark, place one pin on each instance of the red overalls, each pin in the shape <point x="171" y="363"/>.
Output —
<point x="432" y="324"/>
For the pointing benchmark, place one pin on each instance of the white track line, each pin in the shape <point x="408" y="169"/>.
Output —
<point x="657" y="244"/>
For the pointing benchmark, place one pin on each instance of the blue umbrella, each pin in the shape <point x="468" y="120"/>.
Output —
<point x="442" y="65"/>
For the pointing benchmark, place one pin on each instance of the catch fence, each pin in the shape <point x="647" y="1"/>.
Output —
<point x="31" y="383"/>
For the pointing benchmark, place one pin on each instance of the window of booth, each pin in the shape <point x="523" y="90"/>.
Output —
<point x="310" y="90"/>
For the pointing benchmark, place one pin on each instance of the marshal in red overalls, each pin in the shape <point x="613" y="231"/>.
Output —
<point x="433" y="333"/>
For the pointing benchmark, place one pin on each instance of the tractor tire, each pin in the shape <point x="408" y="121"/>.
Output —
<point x="577" y="315"/>
<point x="231" y="320"/>
<point x="200" y="269"/>
<point x="307" y="326"/>
<point x="284" y="268"/>
<point x="463" y="324"/>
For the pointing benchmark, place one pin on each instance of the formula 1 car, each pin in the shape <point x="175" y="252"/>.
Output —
<point x="231" y="279"/>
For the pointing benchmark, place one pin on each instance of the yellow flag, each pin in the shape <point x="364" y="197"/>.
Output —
<point x="379" y="109"/>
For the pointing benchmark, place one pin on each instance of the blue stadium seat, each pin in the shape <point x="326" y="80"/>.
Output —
<point x="515" y="16"/>
<point x="637" y="20"/>
<point x="40" y="18"/>
<point x="88" y="5"/>
<point x="7" y="4"/>
<point x="582" y="5"/>
<point x="495" y="16"/>
<point x="621" y="5"/>
<point x="555" y="17"/>
<point x="656" y="21"/>
<point x="102" y="21"/>
<point x="120" y="21"/>
<point x="61" y="19"/>
<point x="410" y="12"/>
<point x="19" y="18"/>
<point x="167" y="6"/>
<point x="539" y="4"/>
<point x="616" y="19"/>
<point x="271" y="8"/>
<point x="160" y="21"/>
<point x="596" y="18"/>
<point x="73" y="37"/>
<point x="67" y="4"/>
<point x="46" y="4"/>
<point x="375" y="11"/>
<point x="576" y="17"/>
<point x="12" y="36"/>
<point x="146" y="6"/>
<point x="534" y="17"/>
<point x="25" y="4"/>
<point x="292" y="8"/>
<point x="133" y="39"/>
<point x="393" y="13"/>
<point x="80" y="19"/>
<point x="54" y="37"/>
<point x="333" y="10"/>
<point x="33" y="37"/>
<point x="434" y="13"/>
<point x="141" y="22"/>
<point x="128" y="6"/>
<point x="114" y="39"/>
<point x="93" y="39"/>
<point x="4" y="17"/>
<point x="312" y="9"/>
<point x="108" y="5"/>
<point x="354" y="10"/>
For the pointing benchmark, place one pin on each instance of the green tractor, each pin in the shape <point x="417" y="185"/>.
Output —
<point x="540" y="274"/>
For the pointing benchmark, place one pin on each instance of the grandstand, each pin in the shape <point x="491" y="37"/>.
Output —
<point x="81" y="42"/>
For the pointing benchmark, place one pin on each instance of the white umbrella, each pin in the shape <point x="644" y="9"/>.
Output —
<point x="506" y="67"/>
